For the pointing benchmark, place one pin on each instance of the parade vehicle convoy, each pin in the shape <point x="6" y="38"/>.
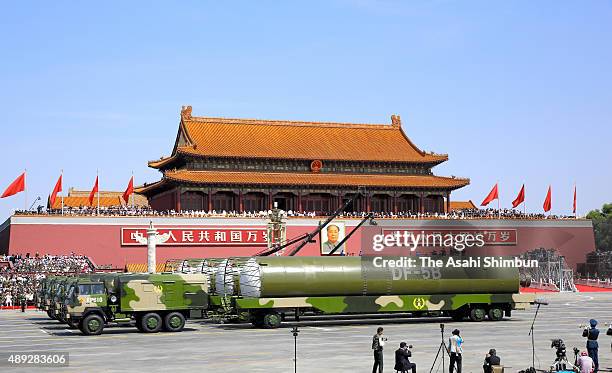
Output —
<point x="264" y="290"/>
<point x="154" y="301"/>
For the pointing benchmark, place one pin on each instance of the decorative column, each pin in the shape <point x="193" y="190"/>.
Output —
<point x="270" y="199"/>
<point x="178" y="199"/>
<point x="300" y="200"/>
<point x="448" y="208"/>
<point x="422" y="202"/>
<point x="369" y="202"/>
<point x="209" y="199"/>
<point x="151" y="241"/>
<point x="240" y="201"/>
<point x="395" y="203"/>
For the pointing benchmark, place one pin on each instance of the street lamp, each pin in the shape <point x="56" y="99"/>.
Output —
<point x="295" y="331"/>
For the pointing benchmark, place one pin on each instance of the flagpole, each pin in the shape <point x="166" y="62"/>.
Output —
<point x="575" y="202"/>
<point x="524" y="201"/>
<point x="133" y="196"/>
<point x="498" y="207"/>
<point x="25" y="189"/>
<point x="98" y="191"/>
<point x="62" y="186"/>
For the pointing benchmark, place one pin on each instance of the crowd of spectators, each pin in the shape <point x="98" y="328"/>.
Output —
<point x="140" y="211"/>
<point x="20" y="275"/>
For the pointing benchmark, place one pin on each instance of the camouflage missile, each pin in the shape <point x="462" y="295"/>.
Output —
<point x="326" y="276"/>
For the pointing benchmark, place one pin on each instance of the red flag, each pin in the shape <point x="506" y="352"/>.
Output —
<point x="492" y="195"/>
<point x="16" y="186"/>
<point x="548" y="201"/>
<point x="574" y="199"/>
<point x="58" y="188"/>
<point x="129" y="190"/>
<point x="520" y="198"/>
<point x="93" y="192"/>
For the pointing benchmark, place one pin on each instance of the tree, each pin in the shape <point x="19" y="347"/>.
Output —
<point x="602" y="226"/>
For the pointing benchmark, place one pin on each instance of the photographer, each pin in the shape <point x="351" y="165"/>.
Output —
<point x="585" y="363"/>
<point x="592" y="346"/>
<point x="491" y="359"/>
<point x="402" y="361"/>
<point x="378" y="342"/>
<point x="455" y="343"/>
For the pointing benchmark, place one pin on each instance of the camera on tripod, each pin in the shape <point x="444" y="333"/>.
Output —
<point x="560" y="346"/>
<point x="561" y="363"/>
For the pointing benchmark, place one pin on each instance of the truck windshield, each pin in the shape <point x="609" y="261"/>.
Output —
<point x="71" y="292"/>
<point x="91" y="289"/>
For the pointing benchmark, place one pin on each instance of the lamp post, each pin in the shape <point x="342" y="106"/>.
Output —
<point x="295" y="331"/>
<point x="151" y="241"/>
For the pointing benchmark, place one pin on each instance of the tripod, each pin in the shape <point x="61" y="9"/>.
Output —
<point x="440" y="349"/>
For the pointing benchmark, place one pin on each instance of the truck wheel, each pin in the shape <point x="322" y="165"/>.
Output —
<point x="50" y="314"/>
<point x="174" y="322"/>
<point x="151" y="323"/>
<point x="477" y="314"/>
<point x="272" y="320"/>
<point x="496" y="314"/>
<point x="92" y="325"/>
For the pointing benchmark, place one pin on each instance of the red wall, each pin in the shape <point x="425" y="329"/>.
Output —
<point x="100" y="238"/>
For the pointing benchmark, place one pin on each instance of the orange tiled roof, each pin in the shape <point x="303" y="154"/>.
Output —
<point x="161" y="161"/>
<point x="71" y="201"/>
<point x="460" y="205"/>
<point x="80" y="198"/>
<point x="318" y="179"/>
<point x="252" y="138"/>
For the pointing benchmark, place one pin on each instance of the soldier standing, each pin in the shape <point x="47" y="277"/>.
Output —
<point x="22" y="301"/>
<point x="378" y="342"/>
<point x="592" y="346"/>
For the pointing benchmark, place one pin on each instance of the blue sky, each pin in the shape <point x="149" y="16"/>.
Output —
<point x="513" y="91"/>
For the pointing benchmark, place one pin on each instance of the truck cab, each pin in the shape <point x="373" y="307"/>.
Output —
<point x="153" y="302"/>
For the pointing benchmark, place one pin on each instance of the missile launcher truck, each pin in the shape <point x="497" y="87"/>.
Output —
<point x="266" y="288"/>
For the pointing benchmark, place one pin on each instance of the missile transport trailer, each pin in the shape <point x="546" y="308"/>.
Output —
<point x="153" y="301"/>
<point x="269" y="287"/>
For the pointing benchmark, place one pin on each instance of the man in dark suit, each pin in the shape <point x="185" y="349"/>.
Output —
<point x="490" y="360"/>
<point x="402" y="361"/>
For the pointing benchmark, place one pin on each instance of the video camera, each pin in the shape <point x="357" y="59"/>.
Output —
<point x="560" y="346"/>
<point x="561" y="363"/>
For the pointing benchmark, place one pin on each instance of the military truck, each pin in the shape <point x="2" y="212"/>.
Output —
<point x="50" y="291"/>
<point x="153" y="301"/>
<point x="40" y="293"/>
<point x="60" y="295"/>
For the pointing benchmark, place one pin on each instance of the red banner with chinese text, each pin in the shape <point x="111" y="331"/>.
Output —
<point x="202" y="236"/>
<point x="490" y="236"/>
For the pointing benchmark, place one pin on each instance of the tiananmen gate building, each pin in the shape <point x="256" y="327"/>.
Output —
<point x="247" y="165"/>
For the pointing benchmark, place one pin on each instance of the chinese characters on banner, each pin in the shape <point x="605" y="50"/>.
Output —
<point x="200" y="236"/>
<point x="490" y="236"/>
